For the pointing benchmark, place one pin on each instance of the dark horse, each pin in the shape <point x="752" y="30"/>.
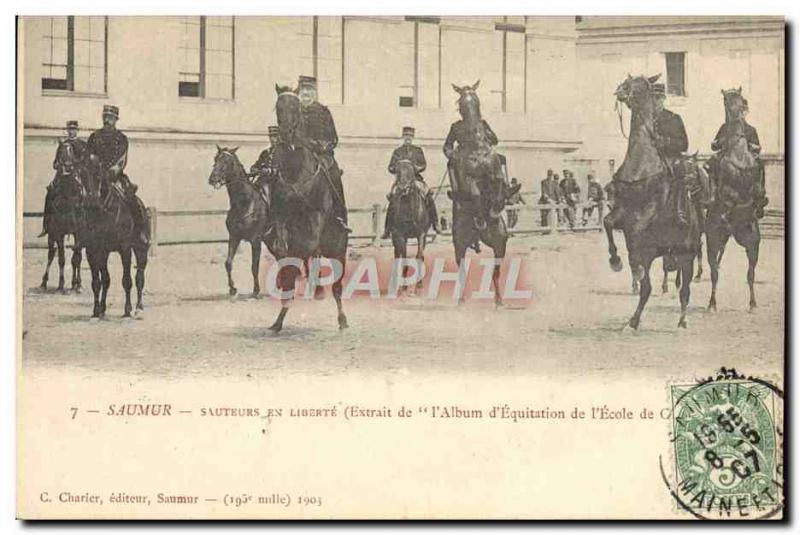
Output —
<point x="307" y="198"/>
<point x="698" y="180"/>
<point x="411" y="217"/>
<point x="478" y="197"/>
<point x="65" y="217"/>
<point x="733" y="212"/>
<point x="651" y="230"/>
<point x="248" y="215"/>
<point x="109" y="227"/>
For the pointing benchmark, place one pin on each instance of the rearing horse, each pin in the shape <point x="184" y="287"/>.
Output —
<point x="651" y="230"/>
<point x="66" y="217"/>
<point x="733" y="212"/>
<point x="306" y="195"/>
<point x="476" y="193"/>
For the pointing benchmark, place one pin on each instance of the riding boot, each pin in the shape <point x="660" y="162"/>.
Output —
<point x="432" y="214"/>
<point x="386" y="230"/>
<point x="48" y="208"/>
<point x="680" y="201"/>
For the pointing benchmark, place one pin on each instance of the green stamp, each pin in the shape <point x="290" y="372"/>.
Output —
<point x="728" y="447"/>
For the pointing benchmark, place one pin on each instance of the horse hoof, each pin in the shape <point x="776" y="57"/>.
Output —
<point x="94" y="319"/>
<point x="127" y="318"/>
<point x="752" y="307"/>
<point x="712" y="307"/>
<point x="616" y="263"/>
<point x="343" y="323"/>
<point x="255" y="295"/>
<point x="682" y="324"/>
<point x="138" y="314"/>
<point x="276" y="328"/>
<point x="76" y="290"/>
<point x="499" y="304"/>
<point x="232" y="291"/>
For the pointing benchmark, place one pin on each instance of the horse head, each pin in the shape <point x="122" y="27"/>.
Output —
<point x="469" y="105"/>
<point x="735" y="104"/>
<point x="406" y="174"/>
<point x="227" y="167"/>
<point x="94" y="179"/>
<point x="290" y="117"/>
<point x="635" y="91"/>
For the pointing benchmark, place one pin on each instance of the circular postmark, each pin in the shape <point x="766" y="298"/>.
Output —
<point x="727" y="442"/>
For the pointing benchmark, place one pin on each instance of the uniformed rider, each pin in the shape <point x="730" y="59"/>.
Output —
<point x="110" y="146"/>
<point x="79" y="151"/>
<point x="319" y="135"/>
<point x="414" y="154"/>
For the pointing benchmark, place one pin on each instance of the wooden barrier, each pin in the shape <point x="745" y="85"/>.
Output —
<point x="772" y="225"/>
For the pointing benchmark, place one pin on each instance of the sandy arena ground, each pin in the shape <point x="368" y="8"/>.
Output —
<point x="191" y="328"/>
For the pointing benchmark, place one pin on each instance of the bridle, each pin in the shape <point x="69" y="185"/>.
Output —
<point x="225" y="181"/>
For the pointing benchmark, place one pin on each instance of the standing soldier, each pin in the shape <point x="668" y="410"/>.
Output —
<point x="79" y="150"/>
<point x="110" y="146"/>
<point x="571" y="192"/>
<point x="594" y="194"/>
<point x="514" y="199"/>
<point x="414" y="154"/>
<point x="550" y="194"/>
<point x="319" y="135"/>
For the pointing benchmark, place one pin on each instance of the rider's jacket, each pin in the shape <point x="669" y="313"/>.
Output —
<point x="459" y="134"/>
<point x="750" y="134"/>
<point x="319" y="130"/>
<point x="111" y="147"/>
<point x="670" y="134"/>
<point x="409" y="152"/>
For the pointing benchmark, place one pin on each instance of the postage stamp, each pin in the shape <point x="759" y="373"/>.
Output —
<point x="727" y="439"/>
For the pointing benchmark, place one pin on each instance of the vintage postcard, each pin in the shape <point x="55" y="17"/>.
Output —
<point x="401" y="267"/>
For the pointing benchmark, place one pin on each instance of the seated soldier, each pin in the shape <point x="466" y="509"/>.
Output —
<point x="80" y="150"/>
<point x="736" y="123"/>
<point x="263" y="172"/>
<point x="671" y="142"/>
<point x="110" y="146"/>
<point x="414" y="154"/>
<point x="319" y="135"/>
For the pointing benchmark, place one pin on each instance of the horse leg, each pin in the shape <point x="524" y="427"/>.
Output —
<point x="500" y="238"/>
<point x="715" y="245"/>
<point x="106" y="280"/>
<point x="609" y="222"/>
<point x="337" y="295"/>
<point x="752" y="260"/>
<point x="699" y="273"/>
<point x="233" y="244"/>
<point x="644" y="295"/>
<point x="51" y="253"/>
<point x="94" y="266"/>
<point x="313" y="278"/>
<point x="665" y="280"/>
<point x="255" y="261"/>
<point x="400" y="244"/>
<point x="421" y="242"/>
<point x="77" y="258"/>
<point x="285" y="282"/>
<point x="141" y="264"/>
<point x="61" y="261"/>
<point x="685" y="275"/>
<point x="127" y="283"/>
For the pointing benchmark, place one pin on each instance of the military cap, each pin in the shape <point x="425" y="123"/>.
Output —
<point x="307" y="81"/>
<point x="72" y="124"/>
<point x="408" y="131"/>
<point x="108" y="109"/>
<point x="273" y="130"/>
<point x="658" y="90"/>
